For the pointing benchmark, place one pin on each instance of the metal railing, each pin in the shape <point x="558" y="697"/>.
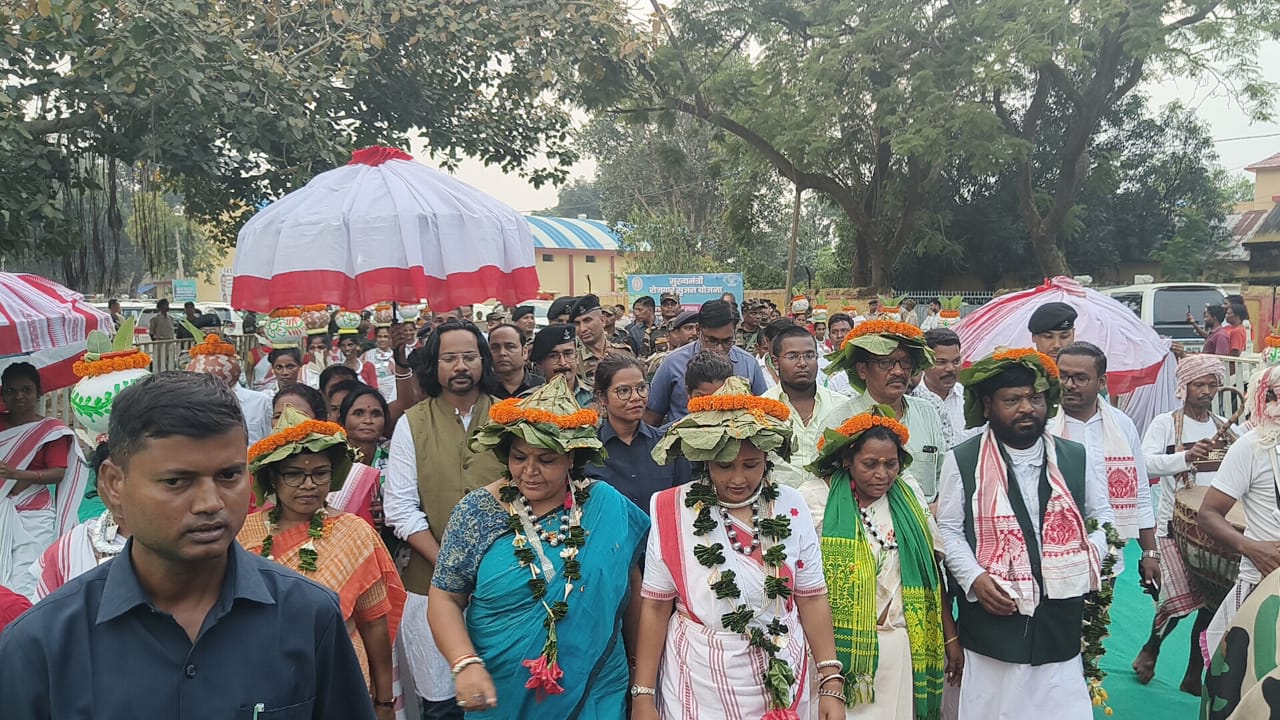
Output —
<point x="165" y="355"/>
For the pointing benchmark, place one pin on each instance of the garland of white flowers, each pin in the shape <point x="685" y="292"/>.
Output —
<point x="778" y="675"/>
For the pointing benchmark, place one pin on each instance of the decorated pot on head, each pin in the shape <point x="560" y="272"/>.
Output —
<point x="316" y="319"/>
<point x="108" y="366"/>
<point x="799" y="305"/>
<point x="410" y="313"/>
<point x="382" y="315"/>
<point x="949" y="315"/>
<point x="284" y="327"/>
<point x="890" y="307"/>
<point x="348" y="322"/>
<point x="1271" y="347"/>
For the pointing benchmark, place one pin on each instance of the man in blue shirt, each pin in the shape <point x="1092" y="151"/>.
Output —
<point x="183" y="623"/>
<point x="668" y="398"/>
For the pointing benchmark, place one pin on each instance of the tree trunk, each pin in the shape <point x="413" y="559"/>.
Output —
<point x="1049" y="256"/>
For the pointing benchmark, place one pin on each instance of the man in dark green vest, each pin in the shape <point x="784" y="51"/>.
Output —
<point x="430" y="468"/>
<point x="1012" y="513"/>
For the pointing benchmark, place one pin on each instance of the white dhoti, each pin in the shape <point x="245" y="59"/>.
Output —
<point x="995" y="690"/>
<point x="894" y="682"/>
<point x="428" y="669"/>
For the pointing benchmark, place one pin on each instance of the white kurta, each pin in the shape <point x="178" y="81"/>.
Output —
<point x="1165" y="466"/>
<point x="996" y="690"/>
<point x="830" y="408"/>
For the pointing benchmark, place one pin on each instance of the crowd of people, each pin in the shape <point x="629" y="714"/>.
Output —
<point x="723" y="512"/>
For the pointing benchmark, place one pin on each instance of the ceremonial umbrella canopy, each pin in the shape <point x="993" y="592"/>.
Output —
<point x="1135" y="352"/>
<point x="45" y="324"/>
<point x="383" y="228"/>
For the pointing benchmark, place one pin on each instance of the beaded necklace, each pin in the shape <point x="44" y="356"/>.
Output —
<point x="778" y="676"/>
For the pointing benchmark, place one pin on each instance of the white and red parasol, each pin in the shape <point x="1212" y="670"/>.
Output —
<point x="1134" y="350"/>
<point x="45" y="324"/>
<point x="383" y="228"/>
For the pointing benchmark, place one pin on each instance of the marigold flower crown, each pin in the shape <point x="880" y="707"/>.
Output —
<point x="112" y="362"/>
<point x="859" y="424"/>
<point x="882" y="327"/>
<point x="1050" y="367"/>
<point x="294" y="434"/>
<point x="212" y="345"/>
<point x="509" y="412"/>
<point x="285" y="312"/>
<point x="750" y="403"/>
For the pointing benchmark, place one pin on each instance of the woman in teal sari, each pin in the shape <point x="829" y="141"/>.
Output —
<point x="533" y="583"/>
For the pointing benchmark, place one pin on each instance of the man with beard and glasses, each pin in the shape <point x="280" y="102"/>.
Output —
<point x="507" y="342"/>
<point x="1177" y="450"/>
<point x="593" y="342"/>
<point x="813" y="408"/>
<point x="1013" y="513"/>
<point x="939" y="385"/>
<point x="183" y="623"/>
<point x="1052" y="327"/>
<point x="880" y="357"/>
<point x="1111" y="440"/>
<point x="429" y="469"/>
<point x="554" y="352"/>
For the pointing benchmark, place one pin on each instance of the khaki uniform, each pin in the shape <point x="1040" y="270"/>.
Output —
<point x="587" y="360"/>
<point x="746" y="339"/>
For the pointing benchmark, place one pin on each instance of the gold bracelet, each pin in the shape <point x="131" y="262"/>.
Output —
<point x="957" y="637"/>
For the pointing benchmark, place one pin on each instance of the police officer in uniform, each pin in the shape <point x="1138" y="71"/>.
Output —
<point x="592" y="342"/>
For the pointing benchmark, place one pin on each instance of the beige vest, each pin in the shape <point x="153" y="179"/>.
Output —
<point x="447" y="470"/>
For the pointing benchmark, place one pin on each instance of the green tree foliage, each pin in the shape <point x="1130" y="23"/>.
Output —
<point x="1088" y="57"/>
<point x="236" y="101"/>
<point x="579" y="197"/>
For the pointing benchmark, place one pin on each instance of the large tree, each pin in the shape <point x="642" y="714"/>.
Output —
<point x="231" y="102"/>
<point x="861" y="102"/>
<point x="1090" y="56"/>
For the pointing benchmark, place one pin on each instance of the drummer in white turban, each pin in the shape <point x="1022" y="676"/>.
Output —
<point x="1248" y="474"/>
<point x="1176" y="446"/>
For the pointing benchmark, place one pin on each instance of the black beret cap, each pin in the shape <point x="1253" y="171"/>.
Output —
<point x="686" y="317"/>
<point x="549" y="337"/>
<point x="585" y="304"/>
<point x="1052" y="316"/>
<point x="521" y="311"/>
<point x="560" y="306"/>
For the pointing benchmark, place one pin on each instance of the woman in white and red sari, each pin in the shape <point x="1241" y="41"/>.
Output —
<point x="734" y="601"/>
<point x="42" y="477"/>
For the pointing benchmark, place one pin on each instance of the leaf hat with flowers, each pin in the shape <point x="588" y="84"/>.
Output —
<point x="879" y="337"/>
<point x="1041" y="365"/>
<point x="717" y="425"/>
<point x="549" y="418"/>
<point x="833" y="442"/>
<point x="295" y="433"/>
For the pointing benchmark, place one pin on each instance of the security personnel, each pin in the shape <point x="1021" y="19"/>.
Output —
<point x="592" y="343"/>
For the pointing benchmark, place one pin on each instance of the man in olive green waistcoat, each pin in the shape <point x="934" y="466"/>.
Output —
<point x="430" y="468"/>
<point x="1013" y="513"/>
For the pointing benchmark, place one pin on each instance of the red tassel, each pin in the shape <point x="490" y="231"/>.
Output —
<point x="375" y="155"/>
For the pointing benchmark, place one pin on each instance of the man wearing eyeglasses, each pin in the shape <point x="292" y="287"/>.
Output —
<point x="795" y="355"/>
<point x="668" y="398"/>
<point x="554" y="352"/>
<point x="880" y="361"/>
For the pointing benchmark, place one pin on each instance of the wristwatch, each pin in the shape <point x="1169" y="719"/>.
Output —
<point x="637" y="690"/>
<point x="1152" y="554"/>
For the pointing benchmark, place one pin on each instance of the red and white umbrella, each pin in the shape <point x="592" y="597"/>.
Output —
<point x="1135" y="352"/>
<point x="45" y="324"/>
<point x="383" y="228"/>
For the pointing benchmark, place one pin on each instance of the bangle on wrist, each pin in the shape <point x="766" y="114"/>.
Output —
<point x="950" y="640"/>
<point x="465" y="662"/>
<point x="384" y="703"/>
<point x="638" y="690"/>
<point x="828" y="678"/>
<point x="839" y="666"/>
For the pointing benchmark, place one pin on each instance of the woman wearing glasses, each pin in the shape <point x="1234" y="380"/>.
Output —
<point x="294" y="469"/>
<point x="621" y="392"/>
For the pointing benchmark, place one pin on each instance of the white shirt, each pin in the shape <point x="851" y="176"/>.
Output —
<point x="829" y="410"/>
<point x="400" y="502"/>
<point x="960" y="559"/>
<point x="952" y="410"/>
<point x="1246" y="475"/>
<point x="256" y="407"/>
<point x="1164" y="465"/>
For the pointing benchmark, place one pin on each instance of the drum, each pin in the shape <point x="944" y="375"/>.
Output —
<point x="1212" y="567"/>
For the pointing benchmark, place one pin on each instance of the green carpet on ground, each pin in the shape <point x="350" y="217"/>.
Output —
<point x="1131" y="615"/>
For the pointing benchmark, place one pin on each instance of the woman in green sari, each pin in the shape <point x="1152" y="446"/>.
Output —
<point x="893" y="633"/>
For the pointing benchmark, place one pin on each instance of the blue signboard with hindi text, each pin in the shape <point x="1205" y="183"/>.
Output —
<point x="693" y="290"/>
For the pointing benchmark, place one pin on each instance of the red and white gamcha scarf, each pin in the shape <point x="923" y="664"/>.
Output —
<point x="1069" y="563"/>
<point x="1119" y="464"/>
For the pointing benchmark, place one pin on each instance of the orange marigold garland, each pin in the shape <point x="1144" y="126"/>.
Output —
<point x="509" y="412"/>
<point x="861" y="423"/>
<point x="297" y="433"/>
<point x="285" y="312"/>
<point x="1050" y="367"/>
<point x="317" y="307"/>
<point x="1273" y="341"/>
<point x="757" y="406"/>
<point x="212" y="345"/>
<point x="112" y="362"/>
<point x="883" y="327"/>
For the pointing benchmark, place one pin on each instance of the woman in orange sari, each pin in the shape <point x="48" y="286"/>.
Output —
<point x="296" y="467"/>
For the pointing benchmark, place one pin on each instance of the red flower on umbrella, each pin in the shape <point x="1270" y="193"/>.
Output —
<point x="543" y="676"/>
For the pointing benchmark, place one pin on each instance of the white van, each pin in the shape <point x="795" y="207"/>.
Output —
<point x="1164" y="306"/>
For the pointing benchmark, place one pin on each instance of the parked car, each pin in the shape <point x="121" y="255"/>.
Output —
<point x="1164" y="306"/>
<point x="232" y="320"/>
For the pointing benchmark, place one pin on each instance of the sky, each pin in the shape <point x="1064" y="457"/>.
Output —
<point x="1212" y="102"/>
